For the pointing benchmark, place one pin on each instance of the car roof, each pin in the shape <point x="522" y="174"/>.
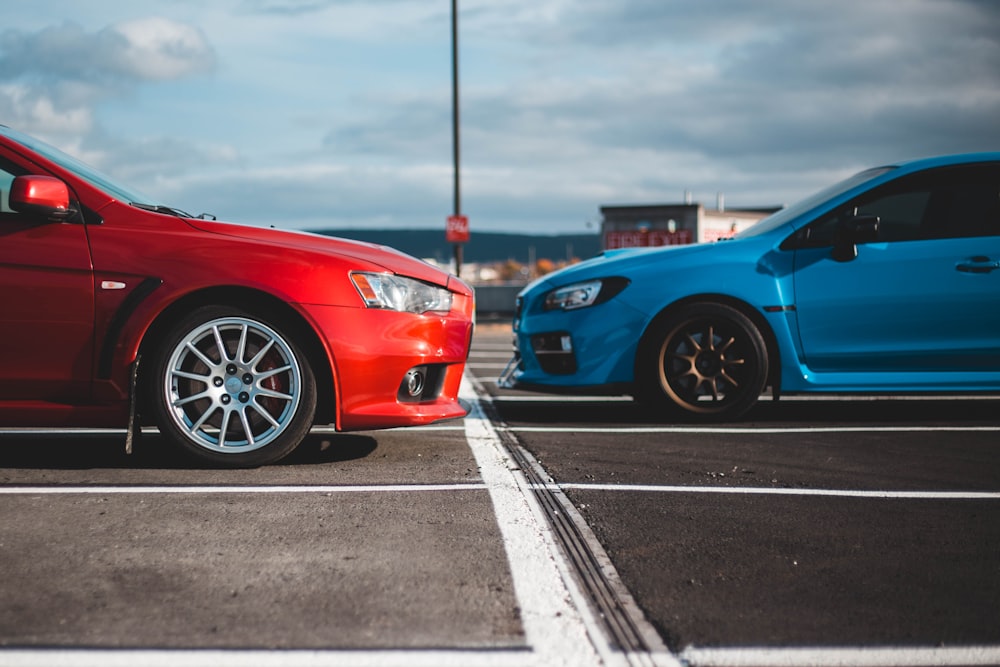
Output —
<point x="947" y="160"/>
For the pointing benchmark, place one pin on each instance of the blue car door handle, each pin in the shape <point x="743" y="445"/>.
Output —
<point x="978" y="264"/>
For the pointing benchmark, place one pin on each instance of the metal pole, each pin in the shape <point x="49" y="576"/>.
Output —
<point x="455" y="125"/>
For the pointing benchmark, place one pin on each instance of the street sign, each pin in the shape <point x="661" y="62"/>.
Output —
<point x="457" y="229"/>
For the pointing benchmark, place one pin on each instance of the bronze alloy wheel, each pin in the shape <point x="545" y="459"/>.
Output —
<point x="707" y="360"/>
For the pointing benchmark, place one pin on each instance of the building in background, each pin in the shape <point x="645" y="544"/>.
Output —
<point x="674" y="224"/>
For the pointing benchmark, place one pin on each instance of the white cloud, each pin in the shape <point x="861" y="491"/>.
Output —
<point x="55" y="80"/>
<point x="160" y="49"/>
<point x="123" y="53"/>
<point x="33" y="111"/>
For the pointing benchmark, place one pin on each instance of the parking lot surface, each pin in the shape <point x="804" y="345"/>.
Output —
<point x="539" y="530"/>
<point x="849" y="527"/>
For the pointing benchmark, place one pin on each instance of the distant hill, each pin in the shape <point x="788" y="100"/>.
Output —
<point x="483" y="247"/>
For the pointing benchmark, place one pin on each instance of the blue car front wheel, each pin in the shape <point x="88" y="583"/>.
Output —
<point x="704" y="361"/>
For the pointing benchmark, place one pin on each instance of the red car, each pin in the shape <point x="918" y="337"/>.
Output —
<point x="116" y="311"/>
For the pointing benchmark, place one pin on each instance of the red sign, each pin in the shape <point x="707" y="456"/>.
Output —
<point x="645" y="239"/>
<point x="457" y="229"/>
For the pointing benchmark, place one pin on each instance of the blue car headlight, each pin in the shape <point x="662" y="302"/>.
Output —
<point x="583" y="294"/>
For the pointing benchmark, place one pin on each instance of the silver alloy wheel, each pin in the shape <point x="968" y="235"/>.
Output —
<point x="232" y="385"/>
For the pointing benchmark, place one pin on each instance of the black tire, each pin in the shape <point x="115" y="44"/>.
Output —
<point x="231" y="388"/>
<point x="706" y="361"/>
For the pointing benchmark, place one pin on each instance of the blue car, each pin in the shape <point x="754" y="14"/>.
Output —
<point x="887" y="282"/>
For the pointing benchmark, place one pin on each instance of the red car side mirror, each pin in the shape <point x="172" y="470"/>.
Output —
<point x="43" y="196"/>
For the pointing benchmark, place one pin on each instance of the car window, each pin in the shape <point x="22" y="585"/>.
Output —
<point x="8" y="171"/>
<point x="805" y="205"/>
<point x="949" y="202"/>
<point x="965" y="208"/>
<point x="80" y="169"/>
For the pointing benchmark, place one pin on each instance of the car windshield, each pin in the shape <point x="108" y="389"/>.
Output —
<point x="784" y="215"/>
<point x="84" y="171"/>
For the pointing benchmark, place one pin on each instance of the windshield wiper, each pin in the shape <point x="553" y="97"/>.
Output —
<point x="166" y="210"/>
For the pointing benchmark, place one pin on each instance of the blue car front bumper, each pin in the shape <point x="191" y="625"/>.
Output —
<point x="587" y="350"/>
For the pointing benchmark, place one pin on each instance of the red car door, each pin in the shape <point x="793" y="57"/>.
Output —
<point x="46" y="305"/>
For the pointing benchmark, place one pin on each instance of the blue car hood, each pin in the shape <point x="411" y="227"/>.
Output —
<point x="621" y="262"/>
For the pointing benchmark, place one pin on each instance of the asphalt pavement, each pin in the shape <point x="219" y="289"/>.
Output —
<point x="540" y="530"/>
<point x="833" y="530"/>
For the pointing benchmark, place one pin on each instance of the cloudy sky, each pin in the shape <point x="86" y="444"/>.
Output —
<point x="337" y="113"/>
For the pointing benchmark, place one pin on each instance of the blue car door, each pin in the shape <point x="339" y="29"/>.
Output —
<point x="922" y="295"/>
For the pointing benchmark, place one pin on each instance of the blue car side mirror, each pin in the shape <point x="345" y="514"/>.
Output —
<point x="852" y="231"/>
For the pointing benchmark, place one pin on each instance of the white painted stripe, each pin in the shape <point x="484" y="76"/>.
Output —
<point x="15" y="432"/>
<point x="272" y="658"/>
<point x="767" y="491"/>
<point x="694" y="656"/>
<point x="448" y="426"/>
<point x="507" y="398"/>
<point x="564" y="398"/>
<point x="886" y="397"/>
<point x="787" y="398"/>
<point x="841" y="657"/>
<point x="769" y="430"/>
<point x="555" y="620"/>
<point x="328" y="490"/>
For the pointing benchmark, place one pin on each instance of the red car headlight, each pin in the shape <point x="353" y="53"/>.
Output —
<point x="392" y="292"/>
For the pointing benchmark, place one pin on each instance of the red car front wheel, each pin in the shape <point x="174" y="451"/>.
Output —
<point x="232" y="389"/>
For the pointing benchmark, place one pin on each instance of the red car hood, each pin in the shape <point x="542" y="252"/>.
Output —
<point x="390" y="259"/>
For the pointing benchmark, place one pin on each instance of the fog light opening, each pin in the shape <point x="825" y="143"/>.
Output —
<point x="422" y="383"/>
<point x="554" y="351"/>
<point x="414" y="382"/>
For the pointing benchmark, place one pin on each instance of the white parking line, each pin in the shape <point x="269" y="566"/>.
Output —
<point x="786" y="398"/>
<point x="13" y="433"/>
<point x="842" y="657"/>
<point x="753" y="429"/>
<point x="205" y="490"/>
<point x="269" y="658"/>
<point x="768" y="491"/>
<point x="555" y="619"/>
<point x="20" y="431"/>
<point x="531" y="398"/>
